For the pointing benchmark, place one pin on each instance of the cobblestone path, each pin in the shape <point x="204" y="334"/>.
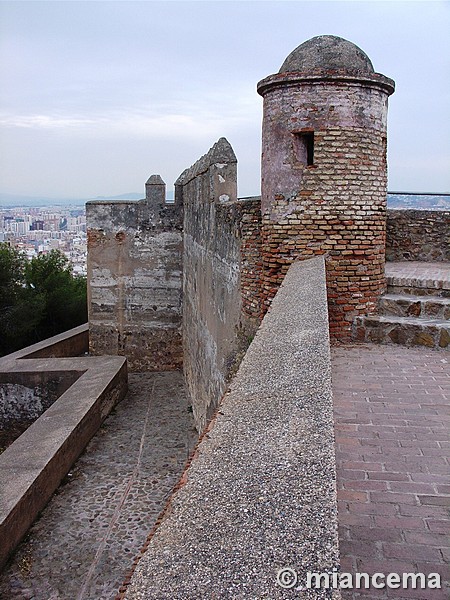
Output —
<point x="87" y="536"/>
<point x="392" y="412"/>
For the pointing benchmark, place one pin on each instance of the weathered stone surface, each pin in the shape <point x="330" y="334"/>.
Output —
<point x="32" y="467"/>
<point x="327" y="52"/>
<point x="397" y="335"/>
<point x="135" y="279"/>
<point x="423" y="339"/>
<point x="220" y="274"/>
<point x="24" y="397"/>
<point x="408" y="331"/>
<point x="414" y="306"/>
<point x="444" y="338"/>
<point x="418" y="235"/>
<point x="408" y="318"/>
<point x="419" y="278"/>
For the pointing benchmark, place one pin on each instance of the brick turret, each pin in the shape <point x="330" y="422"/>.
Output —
<point x="324" y="173"/>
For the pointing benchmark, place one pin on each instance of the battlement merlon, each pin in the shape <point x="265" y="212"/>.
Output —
<point x="155" y="192"/>
<point x="158" y="209"/>
<point x="221" y="163"/>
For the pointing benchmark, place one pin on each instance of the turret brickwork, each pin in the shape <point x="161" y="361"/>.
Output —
<point x="324" y="174"/>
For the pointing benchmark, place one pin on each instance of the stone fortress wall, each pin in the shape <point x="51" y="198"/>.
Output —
<point x="418" y="235"/>
<point x="134" y="270"/>
<point x="188" y="283"/>
<point x="215" y="322"/>
<point x="136" y="278"/>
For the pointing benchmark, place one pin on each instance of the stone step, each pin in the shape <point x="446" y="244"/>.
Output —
<point x="419" y="279"/>
<point x="408" y="305"/>
<point x="418" y="290"/>
<point x="408" y="331"/>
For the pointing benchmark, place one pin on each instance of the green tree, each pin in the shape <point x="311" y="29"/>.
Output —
<point x="62" y="295"/>
<point x="12" y="266"/>
<point x="38" y="298"/>
<point x="20" y="310"/>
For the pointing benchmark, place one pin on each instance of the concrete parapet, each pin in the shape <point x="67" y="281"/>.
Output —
<point x="260" y="492"/>
<point x="33" y="466"/>
<point x="74" y="342"/>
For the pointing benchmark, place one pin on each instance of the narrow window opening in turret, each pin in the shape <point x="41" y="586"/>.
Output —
<point x="304" y="147"/>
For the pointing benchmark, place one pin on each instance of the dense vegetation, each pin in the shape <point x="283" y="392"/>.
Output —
<point x="38" y="298"/>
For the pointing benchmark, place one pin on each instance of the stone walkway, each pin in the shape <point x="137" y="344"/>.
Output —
<point x="86" y="538"/>
<point x="392" y="408"/>
<point x="436" y="271"/>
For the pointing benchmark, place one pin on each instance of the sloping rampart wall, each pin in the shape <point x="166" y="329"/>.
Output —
<point x="214" y="328"/>
<point x="260" y="493"/>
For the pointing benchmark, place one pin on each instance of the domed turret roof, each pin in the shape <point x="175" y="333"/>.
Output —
<point x="327" y="52"/>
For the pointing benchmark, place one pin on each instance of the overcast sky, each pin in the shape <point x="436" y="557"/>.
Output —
<point x="97" y="96"/>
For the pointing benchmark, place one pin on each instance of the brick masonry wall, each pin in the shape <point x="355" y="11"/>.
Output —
<point x="337" y="205"/>
<point x="135" y="281"/>
<point x="422" y="235"/>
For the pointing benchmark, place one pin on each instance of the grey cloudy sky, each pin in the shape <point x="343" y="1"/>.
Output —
<point x="96" y="96"/>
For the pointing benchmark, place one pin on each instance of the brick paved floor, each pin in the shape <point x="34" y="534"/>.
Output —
<point x="392" y="408"/>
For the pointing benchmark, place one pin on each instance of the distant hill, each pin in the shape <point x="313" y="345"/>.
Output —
<point x="403" y="200"/>
<point x="14" y="200"/>
<point x="129" y="196"/>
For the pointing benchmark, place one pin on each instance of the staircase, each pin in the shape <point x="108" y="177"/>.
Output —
<point x="415" y="311"/>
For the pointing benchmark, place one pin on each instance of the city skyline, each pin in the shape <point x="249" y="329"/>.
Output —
<point x="38" y="230"/>
<point x="97" y="96"/>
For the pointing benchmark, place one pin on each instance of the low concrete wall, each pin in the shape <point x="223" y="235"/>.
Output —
<point x="34" y="465"/>
<point x="25" y="396"/>
<point x="260" y="492"/>
<point x="74" y="342"/>
<point x="422" y="235"/>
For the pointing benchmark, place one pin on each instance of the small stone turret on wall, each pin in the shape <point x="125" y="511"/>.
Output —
<point x="135" y="279"/>
<point x="324" y="173"/>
